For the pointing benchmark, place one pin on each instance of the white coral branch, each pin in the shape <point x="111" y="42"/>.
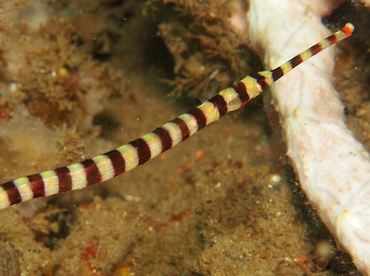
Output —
<point x="333" y="167"/>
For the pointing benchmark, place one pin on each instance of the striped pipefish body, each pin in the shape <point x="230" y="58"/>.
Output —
<point x="127" y="157"/>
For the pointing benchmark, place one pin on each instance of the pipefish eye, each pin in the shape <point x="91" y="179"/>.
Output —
<point x="263" y="83"/>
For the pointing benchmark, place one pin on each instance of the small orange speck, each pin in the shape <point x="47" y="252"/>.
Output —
<point x="226" y="129"/>
<point x="62" y="73"/>
<point x="123" y="270"/>
<point x="183" y="168"/>
<point x="199" y="154"/>
<point x="163" y="157"/>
